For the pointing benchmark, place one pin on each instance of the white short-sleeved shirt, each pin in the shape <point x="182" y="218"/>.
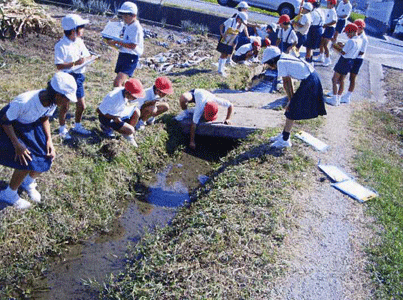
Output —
<point x="289" y="65"/>
<point x="352" y="47"/>
<point x="306" y="21"/>
<point x="317" y="17"/>
<point x="201" y="99"/>
<point x="243" y="49"/>
<point x="331" y="16"/>
<point x="288" y="36"/>
<point x="344" y="9"/>
<point x="149" y="96"/>
<point x="364" y="45"/>
<point x="231" y="30"/>
<point x="67" y="51"/>
<point x="27" y="108"/>
<point x="115" y="104"/>
<point x="133" y="34"/>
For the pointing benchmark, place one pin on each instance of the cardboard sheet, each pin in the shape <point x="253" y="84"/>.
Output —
<point x="334" y="173"/>
<point x="355" y="190"/>
<point x="311" y="140"/>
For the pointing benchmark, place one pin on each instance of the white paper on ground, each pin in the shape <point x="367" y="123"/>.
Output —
<point x="334" y="173"/>
<point x="311" y="140"/>
<point x="355" y="190"/>
<point x="112" y="31"/>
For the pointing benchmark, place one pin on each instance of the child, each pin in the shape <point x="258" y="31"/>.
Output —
<point x="206" y="106"/>
<point x="357" y="62"/>
<point x="114" y="113"/>
<point x="343" y="12"/>
<point x="315" y="31"/>
<point x="70" y="51"/>
<point x="229" y="30"/>
<point x="151" y="105"/>
<point x="287" y="38"/>
<point x="243" y="54"/>
<point x="267" y="31"/>
<point x="25" y="136"/>
<point x="302" y="25"/>
<point x="306" y="102"/>
<point x="329" y="26"/>
<point x="349" y="52"/>
<point x="132" y="46"/>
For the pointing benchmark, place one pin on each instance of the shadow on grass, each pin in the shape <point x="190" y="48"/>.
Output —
<point x="190" y="72"/>
<point x="3" y="186"/>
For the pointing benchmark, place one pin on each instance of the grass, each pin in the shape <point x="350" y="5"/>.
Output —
<point x="254" y="9"/>
<point x="379" y="162"/>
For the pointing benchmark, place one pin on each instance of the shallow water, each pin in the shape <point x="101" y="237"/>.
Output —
<point x="266" y="83"/>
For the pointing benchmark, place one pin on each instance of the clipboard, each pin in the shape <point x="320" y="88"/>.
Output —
<point x="113" y="31"/>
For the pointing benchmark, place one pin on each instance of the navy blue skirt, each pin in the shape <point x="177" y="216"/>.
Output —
<point x="313" y="37"/>
<point x="33" y="137"/>
<point x="307" y="102"/>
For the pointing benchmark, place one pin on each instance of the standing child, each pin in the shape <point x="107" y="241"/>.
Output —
<point x="114" y="112"/>
<point x="132" y="46"/>
<point x="243" y="36"/>
<point x="315" y="31"/>
<point x="287" y="38"/>
<point x="229" y="30"/>
<point x="329" y="26"/>
<point x="343" y="12"/>
<point x="306" y="102"/>
<point x="152" y="104"/>
<point x="25" y="136"/>
<point x="70" y="51"/>
<point x="349" y="52"/>
<point x="303" y="23"/>
<point x="357" y="62"/>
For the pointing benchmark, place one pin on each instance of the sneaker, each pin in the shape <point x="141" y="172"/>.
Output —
<point x="223" y="74"/>
<point x="81" y="130"/>
<point x="64" y="134"/>
<point x="255" y="60"/>
<point x="231" y="63"/>
<point x="109" y="132"/>
<point x="346" y="98"/>
<point x="321" y="58"/>
<point x="14" y="200"/>
<point x="275" y="138"/>
<point x="32" y="191"/>
<point x="131" y="140"/>
<point x="280" y="143"/>
<point x="140" y="125"/>
<point x="150" y="121"/>
<point x="334" y="100"/>
<point x="327" y="62"/>
<point x="246" y="63"/>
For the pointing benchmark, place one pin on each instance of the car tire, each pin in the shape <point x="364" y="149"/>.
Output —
<point x="286" y="9"/>
<point x="229" y="3"/>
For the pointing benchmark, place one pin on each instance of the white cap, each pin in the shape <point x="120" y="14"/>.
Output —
<point x="65" y="84"/>
<point x="128" y="8"/>
<point x="243" y="16"/>
<point x="308" y="6"/>
<point x="269" y="53"/>
<point x="72" y="21"/>
<point x="243" y="4"/>
<point x="273" y="26"/>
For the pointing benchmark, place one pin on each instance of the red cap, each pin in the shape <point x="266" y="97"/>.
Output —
<point x="333" y="2"/>
<point x="210" y="111"/>
<point x="360" y="23"/>
<point x="135" y="88"/>
<point x="256" y="43"/>
<point x="351" y="28"/>
<point x="266" y="42"/>
<point x="283" y="19"/>
<point x="312" y="1"/>
<point x="164" y="85"/>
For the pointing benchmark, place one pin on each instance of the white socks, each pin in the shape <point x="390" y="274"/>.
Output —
<point x="221" y="63"/>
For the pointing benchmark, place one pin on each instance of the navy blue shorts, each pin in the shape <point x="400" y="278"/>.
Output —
<point x="112" y="124"/>
<point x="314" y="36"/>
<point x="239" y="58"/>
<point x="301" y="39"/>
<point x="340" y="25"/>
<point x="328" y="33"/>
<point x="343" y="65"/>
<point x="80" y="78"/>
<point x="126" y="63"/>
<point x="356" y="65"/>
<point x="224" y="48"/>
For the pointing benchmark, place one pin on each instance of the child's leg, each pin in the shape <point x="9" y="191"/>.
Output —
<point x="352" y="82"/>
<point x="126" y="129"/>
<point x="134" y="118"/>
<point x="325" y="47"/>
<point x="287" y="128"/>
<point x="341" y="84"/>
<point x="120" y="79"/>
<point x="80" y="107"/>
<point x="62" y="114"/>
<point x="335" y="82"/>
<point x="17" y="178"/>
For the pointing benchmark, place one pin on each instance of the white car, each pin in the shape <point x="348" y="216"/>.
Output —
<point x="283" y="7"/>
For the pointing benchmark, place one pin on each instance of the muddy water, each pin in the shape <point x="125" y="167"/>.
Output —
<point x="266" y="83"/>
<point x="104" y="254"/>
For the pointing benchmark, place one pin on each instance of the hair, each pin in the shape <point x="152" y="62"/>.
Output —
<point x="51" y="93"/>
<point x="286" y="23"/>
<point x="69" y="32"/>
<point x="273" y="61"/>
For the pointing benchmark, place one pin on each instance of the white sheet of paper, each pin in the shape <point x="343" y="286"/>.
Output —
<point x="334" y="173"/>
<point x="311" y="140"/>
<point x="76" y="68"/>
<point x="112" y="31"/>
<point x="355" y="190"/>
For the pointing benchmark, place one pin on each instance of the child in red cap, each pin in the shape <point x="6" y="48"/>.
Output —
<point x="287" y="38"/>
<point x="349" y="52"/>
<point x="206" y="104"/>
<point x="246" y="52"/>
<point x="115" y="113"/>
<point x="329" y="26"/>
<point x="152" y="104"/>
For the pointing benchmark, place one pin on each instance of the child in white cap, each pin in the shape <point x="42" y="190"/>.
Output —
<point x="115" y="113"/>
<point x="132" y="46"/>
<point x="329" y="28"/>
<point x="306" y="102"/>
<point x="301" y="26"/>
<point x="343" y="11"/>
<point x="206" y="107"/>
<point x="25" y="136"/>
<point x="152" y="104"/>
<point x="70" y="51"/>
<point x="229" y="31"/>
<point x="315" y="30"/>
